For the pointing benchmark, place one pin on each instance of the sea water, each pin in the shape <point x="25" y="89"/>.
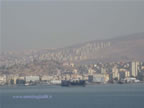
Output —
<point x="91" y="96"/>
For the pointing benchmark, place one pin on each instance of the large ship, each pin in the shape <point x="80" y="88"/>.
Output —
<point x="68" y="83"/>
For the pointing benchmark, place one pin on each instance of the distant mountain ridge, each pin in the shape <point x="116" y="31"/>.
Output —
<point x="130" y="47"/>
<point x="124" y="48"/>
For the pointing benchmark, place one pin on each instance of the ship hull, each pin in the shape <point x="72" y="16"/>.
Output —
<point x="68" y="83"/>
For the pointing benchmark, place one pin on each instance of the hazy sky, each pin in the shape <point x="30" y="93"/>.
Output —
<point x="36" y="25"/>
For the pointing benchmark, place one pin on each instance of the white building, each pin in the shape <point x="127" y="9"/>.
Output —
<point x="115" y="73"/>
<point x="47" y="78"/>
<point x="55" y="82"/>
<point x="2" y="79"/>
<point x="134" y="66"/>
<point x="98" y="78"/>
<point x="131" y="80"/>
<point x="32" y="78"/>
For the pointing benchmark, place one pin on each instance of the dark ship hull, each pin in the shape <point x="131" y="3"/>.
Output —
<point x="68" y="83"/>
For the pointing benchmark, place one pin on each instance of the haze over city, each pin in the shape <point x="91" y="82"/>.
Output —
<point x="71" y="53"/>
<point x="46" y="24"/>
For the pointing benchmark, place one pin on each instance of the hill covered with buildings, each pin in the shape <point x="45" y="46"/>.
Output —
<point x="123" y="48"/>
<point x="108" y="60"/>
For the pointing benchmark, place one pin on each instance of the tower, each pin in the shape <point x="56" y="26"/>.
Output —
<point x="134" y="66"/>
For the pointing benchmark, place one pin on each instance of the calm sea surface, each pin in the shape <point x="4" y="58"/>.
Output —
<point x="91" y="96"/>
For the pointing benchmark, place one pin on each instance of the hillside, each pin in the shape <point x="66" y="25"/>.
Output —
<point x="123" y="48"/>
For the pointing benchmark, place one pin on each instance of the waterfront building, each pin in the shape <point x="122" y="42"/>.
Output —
<point x="85" y="77"/>
<point x="46" y="78"/>
<point x="20" y="80"/>
<point x="11" y="79"/>
<point x="2" y="79"/>
<point x="124" y="74"/>
<point x="98" y="78"/>
<point x="134" y="66"/>
<point x="55" y="82"/>
<point x="32" y="78"/>
<point x="131" y="80"/>
<point x="115" y="73"/>
<point x="127" y="74"/>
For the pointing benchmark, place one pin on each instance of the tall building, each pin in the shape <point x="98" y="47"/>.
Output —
<point x="115" y="74"/>
<point x="134" y="66"/>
